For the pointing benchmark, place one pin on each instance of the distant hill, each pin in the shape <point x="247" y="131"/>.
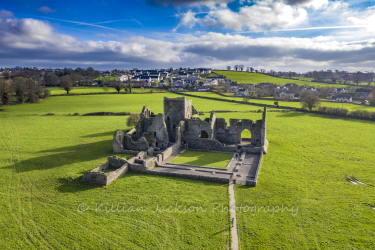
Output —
<point x="255" y="78"/>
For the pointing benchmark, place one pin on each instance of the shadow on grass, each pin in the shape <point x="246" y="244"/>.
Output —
<point x="109" y="133"/>
<point x="75" y="185"/>
<point x="66" y="156"/>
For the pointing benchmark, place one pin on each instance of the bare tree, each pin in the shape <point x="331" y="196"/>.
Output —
<point x="228" y="68"/>
<point x="236" y="67"/>
<point x="66" y="83"/>
<point x="247" y="69"/>
<point x="241" y="67"/>
<point x="251" y="69"/>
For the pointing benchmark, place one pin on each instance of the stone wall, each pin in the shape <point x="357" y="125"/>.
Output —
<point x="176" y="110"/>
<point x="119" y="166"/>
<point x="253" y="183"/>
<point x="195" y="126"/>
<point x="207" y="144"/>
<point x="118" y="142"/>
<point x="140" y="145"/>
<point x="224" y="179"/>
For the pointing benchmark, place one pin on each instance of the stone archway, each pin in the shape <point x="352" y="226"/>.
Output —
<point x="246" y="136"/>
<point x="203" y="134"/>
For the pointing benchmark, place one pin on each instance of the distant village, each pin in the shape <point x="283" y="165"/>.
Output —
<point x="205" y="79"/>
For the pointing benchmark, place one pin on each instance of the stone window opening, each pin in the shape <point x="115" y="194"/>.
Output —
<point x="203" y="134"/>
<point x="245" y="135"/>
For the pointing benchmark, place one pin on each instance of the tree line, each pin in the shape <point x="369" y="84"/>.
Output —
<point x="21" y="90"/>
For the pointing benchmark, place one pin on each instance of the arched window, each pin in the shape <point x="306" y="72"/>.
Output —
<point x="203" y="134"/>
<point x="246" y="136"/>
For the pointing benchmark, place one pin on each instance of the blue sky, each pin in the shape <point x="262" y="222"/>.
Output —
<point x="297" y="35"/>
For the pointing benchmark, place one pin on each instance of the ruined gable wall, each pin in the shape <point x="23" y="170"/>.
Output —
<point x="195" y="126"/>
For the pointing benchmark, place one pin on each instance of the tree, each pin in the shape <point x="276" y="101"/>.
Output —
<point x="5" y="91"/>
<point x="117" y="85"/>
<point x="51" y="80"/>
<point x="132" y="120"/>
<point x="20" y="89"/>
<point x="251" y="69"/>
<point x="66" y="83"/>
<point x="228" y="68"/>
<point x="236" y="67"/>
<point x="247" y="69"/>
<point x="310" y="102"/>
<point x="357" y="77"/>
<point x="241" y="67"/>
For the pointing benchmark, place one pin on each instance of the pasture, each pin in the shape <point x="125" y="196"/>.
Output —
<point x="95" y="89"/>
<point x="256" y="78"/>
<point x="292" y="104"/>
<point x="44" y="205"/>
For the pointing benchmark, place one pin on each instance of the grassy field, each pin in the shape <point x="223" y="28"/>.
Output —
<point x="202" y="158"/>
<point x="94" y="89"/>
<point x="349" y="106"/>
<point x="44" y="205"/>
<point x="255" y="78"/>
<point x="41" y="161"/>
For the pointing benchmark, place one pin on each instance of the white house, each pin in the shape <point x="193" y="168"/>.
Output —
<point x="286" y="94"/>
<point x="211" y="83"/>
<point x="364" y="102"/>
<point x="344" y="98"/>
<point x="242" y="92"/>
<point x="340" y="91"/>
<point x="122" y="78"/>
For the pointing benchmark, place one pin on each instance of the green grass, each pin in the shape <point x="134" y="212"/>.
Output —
<point x="256" y="78"/>
<point x="202" y="158"/>
<point x="349" y="106"/>
<point x="43" y="157"/>
<point x="95" y="89"/>
<point x="41" y="161"/>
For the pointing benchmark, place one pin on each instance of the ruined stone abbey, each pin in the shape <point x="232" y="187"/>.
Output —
<point x="180" y="125"/>
<point x="157" y="139"/>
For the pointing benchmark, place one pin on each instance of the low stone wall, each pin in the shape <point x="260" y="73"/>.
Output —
<point x="253" y="183"/>
<point x="114" y="175"/>
<point x="255" y="150"/>
<point x="190" y="176"/>
<point x="119" y="165"/>
<point x="175" y="148"/>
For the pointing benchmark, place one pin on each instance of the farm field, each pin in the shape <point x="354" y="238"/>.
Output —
<point x="348" y="106"/>
<point x="94" y="89"/>
<point x="202" y="158"/>
<point x="255" y="78"/>
<point x="45" y="206"/>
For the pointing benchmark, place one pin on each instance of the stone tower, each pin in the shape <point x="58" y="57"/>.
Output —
<point x="176" y="110"/>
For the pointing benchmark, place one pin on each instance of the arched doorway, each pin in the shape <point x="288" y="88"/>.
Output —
<point x="203" y="134"/>
<point x="246" y="136"/>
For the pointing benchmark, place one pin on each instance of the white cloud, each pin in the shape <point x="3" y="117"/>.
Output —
<point x="262" y="16"/>
<point x="29" y="40"/>
<point x="6" y="14"/>
<point x="46" y="10"/>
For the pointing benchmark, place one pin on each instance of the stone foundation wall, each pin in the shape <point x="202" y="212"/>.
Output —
<point x="190" y="176"/>
<point x="253" y="183"/>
